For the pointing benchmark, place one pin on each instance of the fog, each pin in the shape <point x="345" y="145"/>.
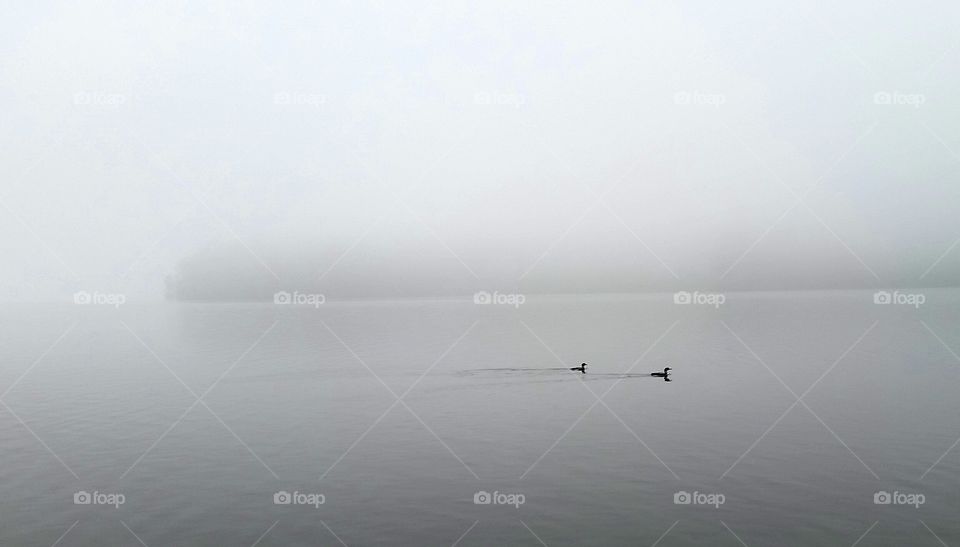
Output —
<point x="206" y="151"/>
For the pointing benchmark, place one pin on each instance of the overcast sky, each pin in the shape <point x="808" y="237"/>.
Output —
<point x="230" y="149"/>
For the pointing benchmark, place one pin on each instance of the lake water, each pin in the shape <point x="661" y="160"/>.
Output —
<point x="304" y="400"/>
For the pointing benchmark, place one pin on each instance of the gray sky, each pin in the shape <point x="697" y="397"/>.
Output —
<point x="225" y="150"/>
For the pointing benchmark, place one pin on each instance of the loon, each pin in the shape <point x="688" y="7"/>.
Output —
<point x="664" y="374"/>
<point x="581" y="368"/>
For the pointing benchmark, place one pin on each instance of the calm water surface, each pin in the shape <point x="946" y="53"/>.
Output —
<point x="298" y="399"/>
